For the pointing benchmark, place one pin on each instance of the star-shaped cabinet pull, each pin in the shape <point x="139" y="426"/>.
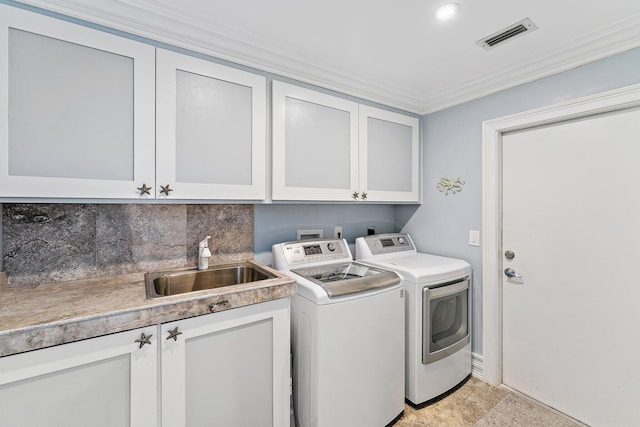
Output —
<point x="144" y="189"/>
<point x="364" y="196"/>
<point x="173" y="333"/>
<point x="355" y="195"/>
<point x="144" y="339"/>
<point x="165" y="189"/>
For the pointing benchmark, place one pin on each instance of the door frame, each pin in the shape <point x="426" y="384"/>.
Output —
<point x="492" y="131"/>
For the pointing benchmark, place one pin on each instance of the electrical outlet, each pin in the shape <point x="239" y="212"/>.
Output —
<point x="337" y="232"/>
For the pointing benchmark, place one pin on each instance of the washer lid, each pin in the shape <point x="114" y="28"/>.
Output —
<point x="348" y="278"/>
<point x="419" y="268"/>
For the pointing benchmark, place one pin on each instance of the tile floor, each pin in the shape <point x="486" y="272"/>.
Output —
<point x="478" y="404"/>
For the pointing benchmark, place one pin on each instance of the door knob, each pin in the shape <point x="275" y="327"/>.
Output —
<point x="510" y="272"/>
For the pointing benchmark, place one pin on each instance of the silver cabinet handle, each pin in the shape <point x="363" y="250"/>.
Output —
<point x="355" y="195"/>
<point x="510" y="272"/>
<point x="144" y="190"/>
<point x="364" y="196"/>
<point x="173" y="333"/>
<point x="144" y="339"/>
<point x="164" y="189"/>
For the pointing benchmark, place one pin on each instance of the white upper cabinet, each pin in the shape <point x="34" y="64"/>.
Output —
<point x="315" y="145"/>
<point x="85" y="114"/>
<point x="389" y="156"/>
<point x="327" y="148"/>
<point x="76" y="110"/>
<point x="210" y="130"/>
<point x="82" y="116"/>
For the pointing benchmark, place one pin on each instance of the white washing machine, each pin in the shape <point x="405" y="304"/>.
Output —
<point x="438" y="322"/>
<point x="347" y="336"/>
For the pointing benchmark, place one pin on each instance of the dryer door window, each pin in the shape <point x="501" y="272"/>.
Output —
<point x="445" y="320"/>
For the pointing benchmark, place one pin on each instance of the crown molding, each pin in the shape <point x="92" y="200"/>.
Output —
<point x="618" y="38"/>
<point x="224" y="45"/>
<point x="164" y="22"/>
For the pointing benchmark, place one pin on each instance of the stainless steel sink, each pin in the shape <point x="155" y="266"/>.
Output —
<point x="165" y="283"/>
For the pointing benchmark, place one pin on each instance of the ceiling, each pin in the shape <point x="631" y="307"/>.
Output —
<point x="393" y="52"/>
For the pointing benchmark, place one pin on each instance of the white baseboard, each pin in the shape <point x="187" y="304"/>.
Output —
<point x="477" y="366"/>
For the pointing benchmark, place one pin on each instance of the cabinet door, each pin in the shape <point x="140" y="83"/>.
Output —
<point x="210" y="129"/>
<point x="389" y="156"/>
<point x="315" y="145"/>
<point x="228" y="369"/>
<point x="76" y="110"/>
<point x="106" y="381"/>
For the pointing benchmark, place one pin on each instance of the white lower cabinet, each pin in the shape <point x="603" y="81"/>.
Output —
<point x="100" y="382"/>
<point x="227" y="369"/>
<point x="222" y="369"/>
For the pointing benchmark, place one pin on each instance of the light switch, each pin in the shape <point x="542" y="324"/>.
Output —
<point x="474" y="238"/>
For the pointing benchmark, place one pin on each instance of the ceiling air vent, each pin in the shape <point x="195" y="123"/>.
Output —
<point x="516" y="30"/>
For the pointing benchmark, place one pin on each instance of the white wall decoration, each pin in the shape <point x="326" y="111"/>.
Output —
<point x="448" y="184"/>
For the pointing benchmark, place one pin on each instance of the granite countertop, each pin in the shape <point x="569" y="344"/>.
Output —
<point x="59" y="313"/>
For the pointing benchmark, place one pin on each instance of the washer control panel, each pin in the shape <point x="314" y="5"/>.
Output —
<point x="389" y="243"/>
<point x="313" y="250"/>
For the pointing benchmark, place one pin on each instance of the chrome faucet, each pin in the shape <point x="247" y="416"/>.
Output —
<point x="204" y="253"/>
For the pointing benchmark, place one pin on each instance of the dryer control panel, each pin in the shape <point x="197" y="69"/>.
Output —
<point x="379" y="244"/>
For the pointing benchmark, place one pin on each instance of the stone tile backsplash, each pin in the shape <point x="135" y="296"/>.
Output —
<point x="45" y="243"/>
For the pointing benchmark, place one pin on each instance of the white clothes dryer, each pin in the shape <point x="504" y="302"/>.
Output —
<point x="347" y="336"/>
<point x="438" y="313"/>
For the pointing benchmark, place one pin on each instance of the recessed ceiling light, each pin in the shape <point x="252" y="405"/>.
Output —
<point x="446" y="11"/>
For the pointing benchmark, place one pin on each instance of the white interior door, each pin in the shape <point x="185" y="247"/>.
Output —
<point x="571" y="216"/>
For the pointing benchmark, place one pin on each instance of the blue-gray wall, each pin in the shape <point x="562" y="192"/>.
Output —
<point x="278" y="223"/>
<point x="452" y="146"/>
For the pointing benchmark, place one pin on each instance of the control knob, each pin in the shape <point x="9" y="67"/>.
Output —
<point x="401" y="240"/>
<point x="331" y="247"/>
